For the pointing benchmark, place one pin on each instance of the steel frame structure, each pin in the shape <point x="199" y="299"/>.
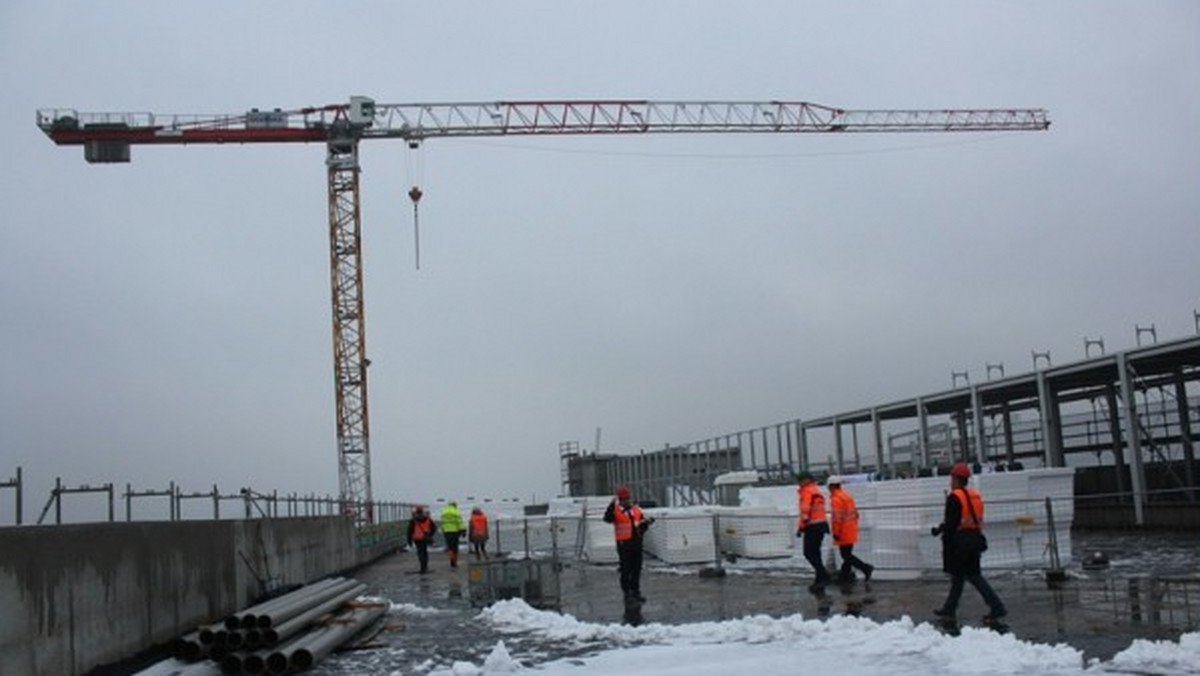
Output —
<point x="107" y="137"/>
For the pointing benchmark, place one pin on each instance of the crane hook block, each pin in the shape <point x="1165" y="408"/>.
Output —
<point x="415" y="195"/>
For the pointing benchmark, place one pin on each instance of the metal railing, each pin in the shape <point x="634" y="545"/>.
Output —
<point x="245" y="503"/>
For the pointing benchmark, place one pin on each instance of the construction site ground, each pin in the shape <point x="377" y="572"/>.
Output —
<point x="1150" y="590"/>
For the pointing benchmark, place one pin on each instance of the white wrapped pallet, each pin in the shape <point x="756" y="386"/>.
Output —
<point x="598" y="543"/>
<point x="681" y="535"/>
<point x="756" y="532"/>
<point x="1007" y="513"/>
<point x="896" y="516"/>
<point x="1058" y="484"/>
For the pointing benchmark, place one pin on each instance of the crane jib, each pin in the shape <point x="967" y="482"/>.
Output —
<point x="363" y="118"/>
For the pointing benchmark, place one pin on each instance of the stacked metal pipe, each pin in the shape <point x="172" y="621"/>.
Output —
<point x="288" y="633"/>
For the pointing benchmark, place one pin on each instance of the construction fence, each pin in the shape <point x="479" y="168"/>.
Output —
<point x="1026" y="534"/>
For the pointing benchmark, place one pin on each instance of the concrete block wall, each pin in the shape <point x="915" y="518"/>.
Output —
<point x="74" y="597"/>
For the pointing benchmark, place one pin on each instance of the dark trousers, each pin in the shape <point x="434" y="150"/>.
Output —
<point x="452" y="546"/>
<point x="629" y="553"/>
<point x="849" y="560"/>
<point x="814" y="535"/>
<point x="422" y="554"/>
<point x="957" y="580"/>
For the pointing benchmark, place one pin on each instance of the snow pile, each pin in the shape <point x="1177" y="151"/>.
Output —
<point x="1160" y="657"/>
<point x="765" y="645"/>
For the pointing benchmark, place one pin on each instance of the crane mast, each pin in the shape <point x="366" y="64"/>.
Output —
<point x="107" y="137"/>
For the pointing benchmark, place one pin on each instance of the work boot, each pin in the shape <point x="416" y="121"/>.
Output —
<point x="867" y="572"/>
<point x="995" y="614"/>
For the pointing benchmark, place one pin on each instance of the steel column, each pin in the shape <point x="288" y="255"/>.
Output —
<point x="877" y="428"/>
<point x="923" y="427"/>
<point x="1185" y="433"/>
<point x="839" y="452"/>
<point x="1133" y="440"/>
<point x="1051" y="431"/>
<point x="977" y="422"/>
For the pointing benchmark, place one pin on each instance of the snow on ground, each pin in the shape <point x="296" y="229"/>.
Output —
<point x="843" y="644"/>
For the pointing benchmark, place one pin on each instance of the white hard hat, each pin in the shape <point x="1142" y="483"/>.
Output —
<point x="833" y="479"/>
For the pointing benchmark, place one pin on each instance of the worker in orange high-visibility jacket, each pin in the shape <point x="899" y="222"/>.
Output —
<point x="477" y="532"/>
<point x="963" y="545"/>
<point x="843" y="520"/>
<point x="420" y="534"/>
<point x="812" y="528"/>
<point x="629" y="524"/>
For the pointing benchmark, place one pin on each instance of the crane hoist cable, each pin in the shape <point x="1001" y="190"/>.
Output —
<point x="414" y="164"/>
<point x="415" y="196"/>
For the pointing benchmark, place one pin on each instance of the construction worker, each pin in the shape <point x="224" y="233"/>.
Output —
<point x="420" y="533"/>
<point x="452" y="529"/>
<point x="812" y="528"/>
<point x="963" y="545"/>
<point x="629" y="525"/>
<point x="477" y="533"/>
<point x="843" y="519"/>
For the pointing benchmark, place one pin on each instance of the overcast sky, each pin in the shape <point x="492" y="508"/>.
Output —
<point x="169" y="319"/>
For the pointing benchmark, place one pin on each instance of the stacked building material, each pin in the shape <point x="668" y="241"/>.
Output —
<point x="288" y="633"/>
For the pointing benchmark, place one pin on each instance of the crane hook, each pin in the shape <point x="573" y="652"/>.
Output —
<point x="415" y="196"/>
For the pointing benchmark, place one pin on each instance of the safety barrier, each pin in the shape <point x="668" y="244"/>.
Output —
<point x="1024" y="534"/>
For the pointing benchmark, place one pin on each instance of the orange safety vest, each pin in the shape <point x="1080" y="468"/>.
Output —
<point x="422" y="529"/>
<point x="844" y="517"/>
<point x="967" y="521"/>
<point x="625" y="522"/>
<point x="812" y="505"/>
<point x="479" y="525"/>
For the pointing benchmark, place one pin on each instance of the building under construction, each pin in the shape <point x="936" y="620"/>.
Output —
<point x="1126" y="421"/>
<point x="671" y="476"/>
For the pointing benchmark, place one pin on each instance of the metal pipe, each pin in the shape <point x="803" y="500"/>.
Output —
<point x="264" y="616"/>
<point x="188" y="647"/>
<point x="273" y="635"/>
<point x="238" y="619"/>
<point x="286" y="612"/>
<point x="208" y="633"/>
<point x="321" y="642"/>
<point x="254" y="663"/>
<point x="282" y="599"/>
<point x="243" y="662"/>
<point x="231" y="663"/>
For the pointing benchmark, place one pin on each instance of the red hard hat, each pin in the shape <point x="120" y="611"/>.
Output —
<point x="961" y="470"/>
<point x="622" y="493"/>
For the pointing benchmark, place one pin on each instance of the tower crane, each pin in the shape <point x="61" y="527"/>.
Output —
<point x="107" y="137"/>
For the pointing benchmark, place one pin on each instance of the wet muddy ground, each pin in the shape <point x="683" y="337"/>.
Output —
<point x="1150" y="589"/>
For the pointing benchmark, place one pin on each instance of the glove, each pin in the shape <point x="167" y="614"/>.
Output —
<point x="799" y="532"/>
<point x="936" y="530"/>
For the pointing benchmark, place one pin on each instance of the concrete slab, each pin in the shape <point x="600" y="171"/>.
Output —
<point x="1099" y="612"/>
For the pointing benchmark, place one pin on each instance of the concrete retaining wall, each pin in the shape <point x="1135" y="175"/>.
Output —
<point x="78" y="596"/>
